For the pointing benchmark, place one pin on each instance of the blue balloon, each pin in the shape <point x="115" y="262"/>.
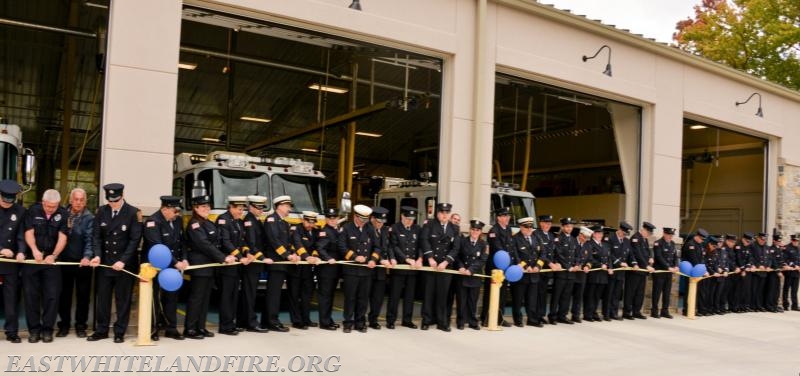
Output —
<point x="685" y="267"/>
<point x="159" y="256"/>
<point x="514" y="273"/>
<point x="170" y="279"/>
<point x="698" y="270"/>
<point x="501" y="260"/>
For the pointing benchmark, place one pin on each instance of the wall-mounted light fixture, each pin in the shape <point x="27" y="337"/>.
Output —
<point x="606" y="72"/>
<point x="355" y="5"/>
<point x="759" y="113"/>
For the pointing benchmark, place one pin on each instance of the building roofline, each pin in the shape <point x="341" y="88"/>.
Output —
<point x="650" y="45"/>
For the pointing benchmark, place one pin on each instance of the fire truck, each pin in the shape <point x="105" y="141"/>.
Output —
<point x="396" y="192"/>
<point x="18" y="163"/>
<point x="236" y="174"/>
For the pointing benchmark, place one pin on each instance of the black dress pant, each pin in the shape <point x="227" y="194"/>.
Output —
<point x="272" y="303"/>
<point x="78" y="281"/>
<point x="468" y="307"/>
<point x="328" y="278"/>
<point x="525" y="294"/>
<point x="11" y="300"/>
<point x="578" y="288"/>
<point x="453" y="296"/>
<point x="733" y="284"/>
<point x="301" y="288"/>
<point x="228" y="278"/>
<point x="197" y="304"/>
<point x="772" y="284"/>
<point x="634" y="293"/>
<point x="434" y="307"/>
<point x="745" y="292"/>
<point x="121" y="285"/>
<point x="165" y="308"/>
<point x="541" y="296"/>
<point x="403" y="285"/>
<point x="790" y="283"/>
<point x="613" y="296"/>
<point x="591" y="299"/>
<point x="356" y="299"/>
<point x="376" y="294"/>
<point x="42" y="286"/>
<point x="758" y="282"/>
<point x="662" y="288"/>
<point x="246" y="314"/>
<point x="719" y="294"/>
<point x="559" y="302"/>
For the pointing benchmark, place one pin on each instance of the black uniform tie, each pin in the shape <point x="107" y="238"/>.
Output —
<point x="114" y="213"/>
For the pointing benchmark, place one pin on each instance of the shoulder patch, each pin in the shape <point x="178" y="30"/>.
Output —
<point x="691" y="247"/>
<point x="270" y="219"/>
<point x="634" y="240"/>
<point x="323" y="234"/>
<point x="655" y="244"/>
<point x="151" y="224"/>
<point x="738" y="247"/>
<point x="248" y="223"/>
<point x="195" y="226"/>
<point x="492" y="235"/>
<point x="221" y="221"/>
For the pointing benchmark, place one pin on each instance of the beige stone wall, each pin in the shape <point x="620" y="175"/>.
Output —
<point x="788" y="220"/>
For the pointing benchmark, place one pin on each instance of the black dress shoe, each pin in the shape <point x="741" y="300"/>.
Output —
<point x="505" y="324"/>
<point x="300" y="326"/>
<point x="534" y="323"/>
<point x="362" y="329"/>
<point x="97" y="336"/>
<point x="606" y="318"/>
<point x="206" y="333"/>
<point x="655" y="316"/>
<point x="173" y="335"/>
<point x="390" y="326"/>
<point x="346" y="329"/>
<point x="278" y="328"/>
<point x="640" y="316"/>
<point x="475" y="327"/>
<point x="329" y="327"/>
<point x="460" y="326"/>
<point x="424" y="326"/>
<point x="34" y="337"/>
<point x="617" y="318"/>
<point x="409" y="325"/>
<point x="257" y="330"/>
<point x="375" y="325"/>
<point x="666" y="315"/>
<point x="81" y="333"/>
<point x="119" y="339"/>
<point x="62" y="332"/>
<point x="443" y="328"/>
<point x="551" y="321"/>
<point x="229" y="332"/>
<point x="519" y="325"/>
<point x="312" y="324"/>
<point x="191" y="334"/>
<point x="47" y="337"/>
<point x="627" y="317"/>
<point x="576" y="320"/>
<point x="13" y="338"/>
<point x="565" y="321"/>
<point x="154" y="337"/>
<point x="795" y="309"/>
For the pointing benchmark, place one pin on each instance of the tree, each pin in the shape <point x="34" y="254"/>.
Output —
<point x="760" y="37"/>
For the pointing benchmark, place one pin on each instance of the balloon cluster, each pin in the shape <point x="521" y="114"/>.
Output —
<point x="698" y="270"/>
<point x="502" y="261"/>
<point x="170" y="279"/>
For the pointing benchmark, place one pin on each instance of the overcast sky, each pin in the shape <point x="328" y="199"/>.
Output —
<point x="651" y="18"/>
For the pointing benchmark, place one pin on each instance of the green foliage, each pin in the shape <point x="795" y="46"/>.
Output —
<point x="760" y="37"/>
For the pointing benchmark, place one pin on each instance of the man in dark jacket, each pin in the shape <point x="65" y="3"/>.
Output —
<point x="279" y="248"/>
<point x="404" y="240"/>
<point x="76" y="279"/>
<point x="471" y="256"/>
<point x="597" y="280"/>
<point x="12" y="245"/>
<point x="328" y="270"/>
<point x="618" y="258"/>
<point x="641" y="261"/>
<point x="358" y="243"/>
<point x="439" y="241"/>
<point x="255" y="238"/>
<point x="526" y="290"/>
<point x="665" y="258"/>
<point x="499" y="239"/>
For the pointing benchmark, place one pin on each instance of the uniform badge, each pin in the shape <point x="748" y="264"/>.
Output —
<point x="124" y="227"/>
<point x="691" y="247"/>
<point x="102" y="224"/>
<point x="323" y="234"/>
<point x="492" y="235"/>
<point x="57" y="217"/>
<point x="151" y="224"/>
<point x="270" y="219"/>
<point x="221" y="221"/>
<point x="655" y="244"/>
<point x="634" y="240"/>
<point x="195" y="226"/>
<point x="247" y="223"/>
<point x="478" y="254"/>
<point x="13" y="217"/>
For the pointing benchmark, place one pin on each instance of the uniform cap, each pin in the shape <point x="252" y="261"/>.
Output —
<point x="282" y="200"/>
<point x="648" y="226"/>
<point x="380" y="214"/>
<point x="793" y="237"/>
<point x="777" y="237"/>
<point x="669" y="230"/>
<point x="408" y="211"/>
<point x="713" y="240"/>
<point x="310" y="215"/>
<point x="443" y="207"/>
<point x="596" y="228"/>
<point x="362" y="211"/>
<point x="702" y="232"/>
<point x="567" y="221"/>
<point x="587" y="232"/>
<point x="257" y="201"/>
<point x="237" y="200"/>
<point x="546" y="218"/>
<point x="9" y="190"/>
<point x="525" y="222"/>
<point x="476" y="224"/>
<point x="502" y="211"/>
<point x="331" y="213"/>
<point x="113" y="191"/>
<point x="171" y="201"/>
<point x="625" y="226"/>
<point x="730" y="237"/>
<point x="762" y="234"/>
<point x="748" y="235"/>
<point x="201" y="200"/>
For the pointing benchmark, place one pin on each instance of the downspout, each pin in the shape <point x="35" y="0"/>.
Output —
<point x="479" y="110"/>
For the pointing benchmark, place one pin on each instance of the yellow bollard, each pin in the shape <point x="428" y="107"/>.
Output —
<point x="146" y="274"/>
<point x="494" y="298"/>
<point x="691" y="297"/>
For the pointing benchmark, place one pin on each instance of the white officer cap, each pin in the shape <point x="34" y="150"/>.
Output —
<point x="362" y="211"/>
<point x="527" y="221"/>
<point x="310" y="215"/>
<point x="237" y="200"/>
<point x="282" y="200"/>
<point x="256" y="200"/>
<point x="587" y="232"/>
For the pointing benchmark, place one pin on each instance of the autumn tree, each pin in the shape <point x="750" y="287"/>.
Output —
<point x="760" y="37"/>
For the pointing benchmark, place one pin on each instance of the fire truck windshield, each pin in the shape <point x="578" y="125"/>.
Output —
<point x="9" y="167"/>
<point x="224" y="183"/>
<point x="306" y="192"/>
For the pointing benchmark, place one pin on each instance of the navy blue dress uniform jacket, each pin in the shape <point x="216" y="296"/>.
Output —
<point x="527" y="255"/>
<point x="45" y="230"/>
<point x="117" y="239"/>
<point x="564" y="253"/>
<point x="354" y="242"/>
<point x="439" y="244"/>
<point x="203" y="245"/>
<point x="665" y="255"/>
<point x="157" y="230"/>
<point x="473" y="258"/>
<point x="279" y="240"/>
<point x="12" y="234"/>
<point x="599" y="254"/>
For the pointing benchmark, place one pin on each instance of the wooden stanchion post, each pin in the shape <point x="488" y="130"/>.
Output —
<point x="146" y="274"/>
<point x="691" y="297"/>
<point x="494" y="298"/>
